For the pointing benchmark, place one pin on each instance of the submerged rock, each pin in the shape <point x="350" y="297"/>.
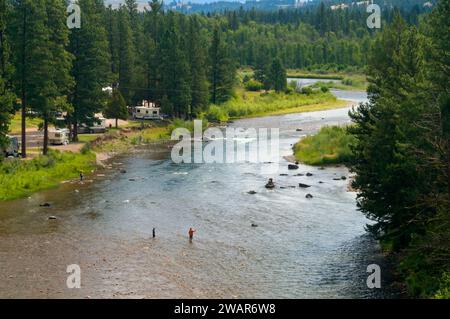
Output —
<point x="45" y="205"/>
<point x="52" y="217"/>
<point x="309" y="196"/>
<point x="304" y="185"/>
<point x="309" y="174"/>
<point x="284" y="175"/>
<point x="254" y="225"/>
<point x="251" y="192"/>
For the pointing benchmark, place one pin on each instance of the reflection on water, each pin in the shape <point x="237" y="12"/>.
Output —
<point x="302" y="248"/>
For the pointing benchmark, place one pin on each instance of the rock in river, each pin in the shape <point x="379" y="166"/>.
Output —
<point x="309" y="196"/>
<point x="292" y="166"/>
<point x="304" y="185"/>
<point x="251" y="192"/>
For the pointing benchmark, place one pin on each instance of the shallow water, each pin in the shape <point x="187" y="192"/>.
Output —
<point x="302" y="248"/>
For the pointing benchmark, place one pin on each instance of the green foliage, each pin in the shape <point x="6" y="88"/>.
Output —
<point x="253" y="85"/>
<point x="21" y="178"/>
<point x="91" y="65"/>
<point x="278" y="76"/>
<point x="189" y="125"/>
<point x="247" y="104"/>
<point x="401" y="154"/>
<point x="222" y="71"/>
<point x="217" y="114"/>
<point x="331" y="145"/>
<point x="307" y="90"/>
<point x="6" y="96"/>
<point x="444" y="288"/>
<point x="117" y="108"/>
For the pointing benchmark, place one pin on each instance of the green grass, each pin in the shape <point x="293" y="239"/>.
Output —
<point x="331" y="145"/>
<point x="123" y="143"/>
<point x="15" y="127"/>
<point x="19" y="178"/>
<point x="85" y="138"/>
<point x="348" y="84"/>
<point x="348" y="81"/>
<point x="253" y="104"/>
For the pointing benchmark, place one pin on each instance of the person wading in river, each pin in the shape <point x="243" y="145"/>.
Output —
<point x="191" y="233"/>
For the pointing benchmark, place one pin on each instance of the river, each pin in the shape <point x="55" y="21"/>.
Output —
<point x="302" y="248"/>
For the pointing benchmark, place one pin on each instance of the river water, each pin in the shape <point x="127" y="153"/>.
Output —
<point x="302" y="248"/>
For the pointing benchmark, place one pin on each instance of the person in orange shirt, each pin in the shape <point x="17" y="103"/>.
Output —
<point x="191" y="233"/>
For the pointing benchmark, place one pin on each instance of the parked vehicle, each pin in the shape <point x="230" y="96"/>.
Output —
<point x="58" y="136"/>
<point x="12" y="150"/>
<point x="146" y="111"/>
<point x="98" y="126"/>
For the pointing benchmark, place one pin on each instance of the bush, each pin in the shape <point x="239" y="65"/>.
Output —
<point x="347" y="81"/>
<point x="324" y="88"/>
<point x="253" y="85"/>
<point x="217" y="114"/>
<point x="307" y="90"/>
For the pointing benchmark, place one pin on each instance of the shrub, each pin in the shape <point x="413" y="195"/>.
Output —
<point x="253" y="85"/>
<point x="307" y="90"/>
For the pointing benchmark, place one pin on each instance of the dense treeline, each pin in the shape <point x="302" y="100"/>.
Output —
<point x="402" y="155"/>
<point x="182" y="62"/>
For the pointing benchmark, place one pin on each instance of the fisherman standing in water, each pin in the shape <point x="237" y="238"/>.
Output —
<point x="191" y="233"/>
<point x="154" y="232"/>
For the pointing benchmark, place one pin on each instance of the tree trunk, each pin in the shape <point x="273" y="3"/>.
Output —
<point x="117" y="123"/>
<point x="24" y="95"/>
<point x="45" y="150"/>
<point x="24" y="125"/>
<point x="75" y="131"/>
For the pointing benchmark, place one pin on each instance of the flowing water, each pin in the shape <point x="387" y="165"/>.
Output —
<point x="302" y="248"/>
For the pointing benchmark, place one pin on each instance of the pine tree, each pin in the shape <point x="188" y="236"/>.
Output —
<point x="197" y="61"/>
<point x="117" y="107"/>
<point x="222" y="71"/>
<point x="91" y="66"/>
<point x="174" y="71"/>
<point x="33" y="59"/>
<point x="6" y="96"/>
<point x="262" y="68"/>
<point x="56" y="82"/>
<point x="126" y="56"/>
<point x="278" y="75"/>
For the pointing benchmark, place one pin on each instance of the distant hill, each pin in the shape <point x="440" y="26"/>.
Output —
<point x="206" y="6"/>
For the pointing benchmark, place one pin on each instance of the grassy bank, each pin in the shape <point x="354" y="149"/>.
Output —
<point x="347" y="81"/>
<point x="253" y="104"/>
<point x="331" y="145"/>
<point x="20" y="178"/>
<point x="15" y="127"/>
